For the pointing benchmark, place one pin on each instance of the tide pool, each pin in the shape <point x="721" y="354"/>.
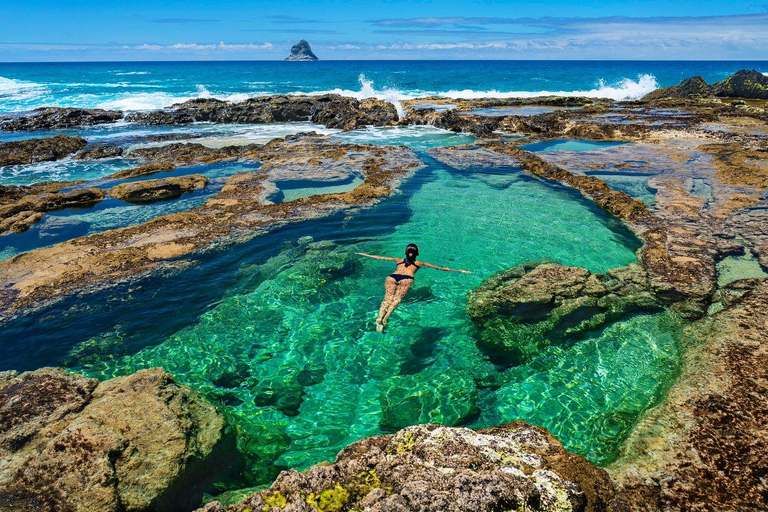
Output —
<point x="279" y="331"/>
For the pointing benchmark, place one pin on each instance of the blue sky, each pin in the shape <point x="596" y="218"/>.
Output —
<point x="48" y="30"/>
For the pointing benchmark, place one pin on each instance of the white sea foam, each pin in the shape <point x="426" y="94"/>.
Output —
<point x="18" y="90"/>
<point x="126" y="73"/>
<point x="158" y="100"/>
<point x="625" y="89"/>
<point x="367" y="90"/>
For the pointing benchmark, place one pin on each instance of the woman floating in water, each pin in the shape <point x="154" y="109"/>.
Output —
<point x="397" y="284"/>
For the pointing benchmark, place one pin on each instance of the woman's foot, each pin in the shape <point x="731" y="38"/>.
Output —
<point x="379" y="326"/>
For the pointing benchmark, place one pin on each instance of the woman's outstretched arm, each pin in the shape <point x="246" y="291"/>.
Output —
<point x="377" y="257"/>
<point x="425" y="264"/>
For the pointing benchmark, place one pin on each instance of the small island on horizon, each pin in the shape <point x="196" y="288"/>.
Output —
<point x="302" y="52"/>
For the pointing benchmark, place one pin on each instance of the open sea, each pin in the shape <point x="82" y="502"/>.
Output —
<point x="152" y="85"/>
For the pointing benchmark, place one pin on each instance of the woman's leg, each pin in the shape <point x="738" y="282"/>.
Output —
<point x="390" y="285"/>
<point x="400" y="291"/>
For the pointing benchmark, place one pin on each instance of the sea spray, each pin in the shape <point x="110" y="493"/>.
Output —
<point x="625" y="89"/>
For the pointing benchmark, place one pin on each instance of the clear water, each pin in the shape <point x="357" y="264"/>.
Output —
<point x="149" y="85"/>
<point x="59" y="226"/>
<point x="512" y="111"/>
<point x="279" y="331"/>
<point x="635" y="185"/>
<point x="569" y="145"/>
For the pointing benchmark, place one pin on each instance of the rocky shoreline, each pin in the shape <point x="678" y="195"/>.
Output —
<point x="703" y="447"/>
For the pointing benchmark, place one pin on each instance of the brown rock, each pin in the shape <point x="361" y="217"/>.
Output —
<point x="435" y="468"/>
<point x="51" y="118"/>
<point x="39" y="150"/>
<point x="20" y="215"/>
<point x="128" y="444"/>
<point x="149" y="191"/>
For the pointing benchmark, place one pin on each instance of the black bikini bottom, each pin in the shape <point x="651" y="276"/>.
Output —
<point x="400" y="277"/>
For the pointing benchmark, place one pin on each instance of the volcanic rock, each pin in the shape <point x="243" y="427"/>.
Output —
<point x="694" y="87"/>
<point x="743" y="84"/>
<point x="39" y="150"/>
<point x="51" y="118"/>
<point x="433" y="468"/>
<point x="149" y="191"/>
<point x="301" y="52"/>
<point x="134" y="443"/>
<point x="99" y="151"/>
<point x="331" y="110"/>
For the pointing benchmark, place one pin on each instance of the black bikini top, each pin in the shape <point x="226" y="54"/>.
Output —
<point x="407" y="264"/>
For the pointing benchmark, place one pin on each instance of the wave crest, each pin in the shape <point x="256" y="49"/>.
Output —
<point x="19" y="90"/>
<point x="626" y="89"/>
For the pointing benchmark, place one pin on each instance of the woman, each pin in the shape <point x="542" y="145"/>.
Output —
<point x="397" y="284"/>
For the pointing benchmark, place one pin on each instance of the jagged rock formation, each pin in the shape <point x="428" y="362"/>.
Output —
<point x="743" y="84"/>
<point x="331" y="110"/>
<point x="149" y="191"/>
<point x="301" y="52"/>
<point x="39" y="150"/>
<point x="51" y="118"/>
<point x="239" y="211"/>
<point x="134" y="443"/>
<point x="748" y="84"/>
<point x="432" y="468"/>
<point x="694" y="87"/>
<point x="99" y="151"/>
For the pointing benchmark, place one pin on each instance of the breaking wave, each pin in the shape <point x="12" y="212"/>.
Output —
<point x="626" y="89"/>
<point x="18" y="90"/>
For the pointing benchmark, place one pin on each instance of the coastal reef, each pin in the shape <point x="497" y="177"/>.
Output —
<point x="436" y="468"/>
<point x="683" y="172"/>
<point x="135" y="443"/>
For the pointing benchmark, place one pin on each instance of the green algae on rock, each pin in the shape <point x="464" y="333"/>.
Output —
<point x="434" y="468"/>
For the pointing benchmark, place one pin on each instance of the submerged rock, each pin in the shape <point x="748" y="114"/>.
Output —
<point x="51" y="118"/>
<point x="134" y="443"/>
<point x="17" y="217"/>
<point x="748" y="84"/>
<point x="39" y="150"/>
<point x="705" y="447"/>
<point x="149" y="191"/>
<point x="302" y="51"/>
<point x="522" y="309"/>
<point x="442" y="469"/>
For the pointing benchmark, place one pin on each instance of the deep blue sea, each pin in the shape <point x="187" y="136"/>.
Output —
<point x="151" y="85"/>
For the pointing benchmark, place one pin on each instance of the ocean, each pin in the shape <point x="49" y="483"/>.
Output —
<point x="153" y="85"/>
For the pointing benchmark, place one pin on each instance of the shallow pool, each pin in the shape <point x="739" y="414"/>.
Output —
<point x="569" y="145"/>
<point x="279" y="331"/>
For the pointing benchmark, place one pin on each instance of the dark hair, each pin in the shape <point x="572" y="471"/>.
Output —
<point x="411" y="251"/>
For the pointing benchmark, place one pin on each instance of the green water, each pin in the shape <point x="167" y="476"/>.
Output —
<point x="300" y="373"/>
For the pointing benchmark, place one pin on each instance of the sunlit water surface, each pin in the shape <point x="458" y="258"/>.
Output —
<point x="279" y="331"/>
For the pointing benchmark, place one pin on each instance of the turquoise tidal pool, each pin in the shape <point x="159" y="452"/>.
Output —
<point x="279" y="331"/>
<point x="286" y="346"/>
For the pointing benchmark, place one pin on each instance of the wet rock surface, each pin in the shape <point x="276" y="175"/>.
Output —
<point x="99" y="151"/>
<point x="238" y="212"/>
<point x="134" y="443"/>
<point x="149" y="191"/>
<point x="52" y="118"/>
<point x="704" y="447"/>
<point x="435" y="468"/>
<point x="39" y="150"/>
<point x="743" y="84"/>
<point x="19" y="216"/>
<point x="331" y="110"/>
